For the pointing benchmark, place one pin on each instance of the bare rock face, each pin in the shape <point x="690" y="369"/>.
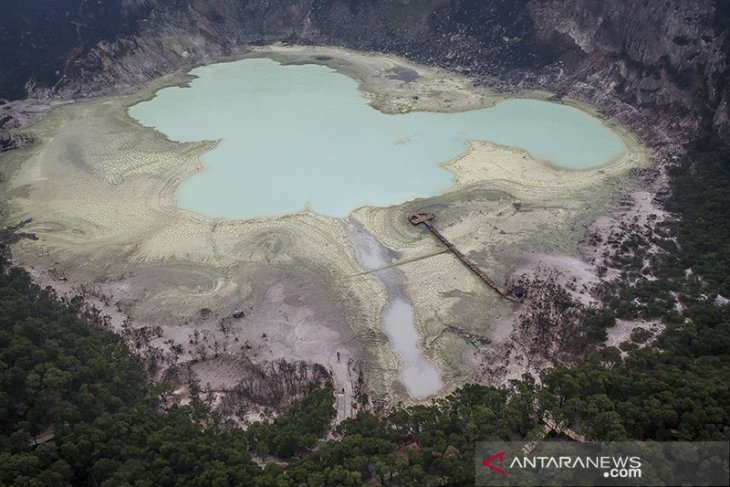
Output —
<point x="671" y="55"/>
<point x="666" y="59"/>
<point x="41" y="40"/>
<point x="480" y="38"/>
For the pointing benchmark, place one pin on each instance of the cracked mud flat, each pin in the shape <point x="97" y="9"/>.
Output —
<point x="99" y="188"/>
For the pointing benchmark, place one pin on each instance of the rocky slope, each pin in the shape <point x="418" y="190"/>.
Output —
<point x="667" y="59"/>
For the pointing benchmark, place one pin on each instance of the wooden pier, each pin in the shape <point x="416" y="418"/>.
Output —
<point x="418" y="218"/>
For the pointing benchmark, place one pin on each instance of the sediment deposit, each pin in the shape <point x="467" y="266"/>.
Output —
<point x="99" y="190"/>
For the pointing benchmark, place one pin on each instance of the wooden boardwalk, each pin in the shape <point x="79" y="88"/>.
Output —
<point x="418" y="218"/>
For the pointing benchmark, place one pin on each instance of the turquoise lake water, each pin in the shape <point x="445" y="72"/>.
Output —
<point x="304" y="136"/>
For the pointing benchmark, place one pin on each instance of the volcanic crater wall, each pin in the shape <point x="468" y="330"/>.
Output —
<point x="668" y="59"/>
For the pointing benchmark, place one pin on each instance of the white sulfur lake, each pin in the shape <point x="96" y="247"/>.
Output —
<point x="304" y="136"/>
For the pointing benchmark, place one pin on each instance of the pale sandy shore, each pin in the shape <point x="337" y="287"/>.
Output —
<point x="100" y="190"/>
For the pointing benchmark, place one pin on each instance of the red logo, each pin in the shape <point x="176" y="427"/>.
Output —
<point x="487" y="463"/>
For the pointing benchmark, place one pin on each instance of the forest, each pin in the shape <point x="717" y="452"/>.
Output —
<point x="76" y="407"/>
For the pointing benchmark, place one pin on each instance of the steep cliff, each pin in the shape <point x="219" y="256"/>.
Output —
<point x="668" y="55"/>
<point x="41" y="40"/>
<point x="667" y="59"/>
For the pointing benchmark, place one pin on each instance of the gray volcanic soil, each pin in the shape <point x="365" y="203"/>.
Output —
<point x="99" y="189"/>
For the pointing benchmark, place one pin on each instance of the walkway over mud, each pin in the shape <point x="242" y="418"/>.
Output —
<point x="417" y="218"/>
